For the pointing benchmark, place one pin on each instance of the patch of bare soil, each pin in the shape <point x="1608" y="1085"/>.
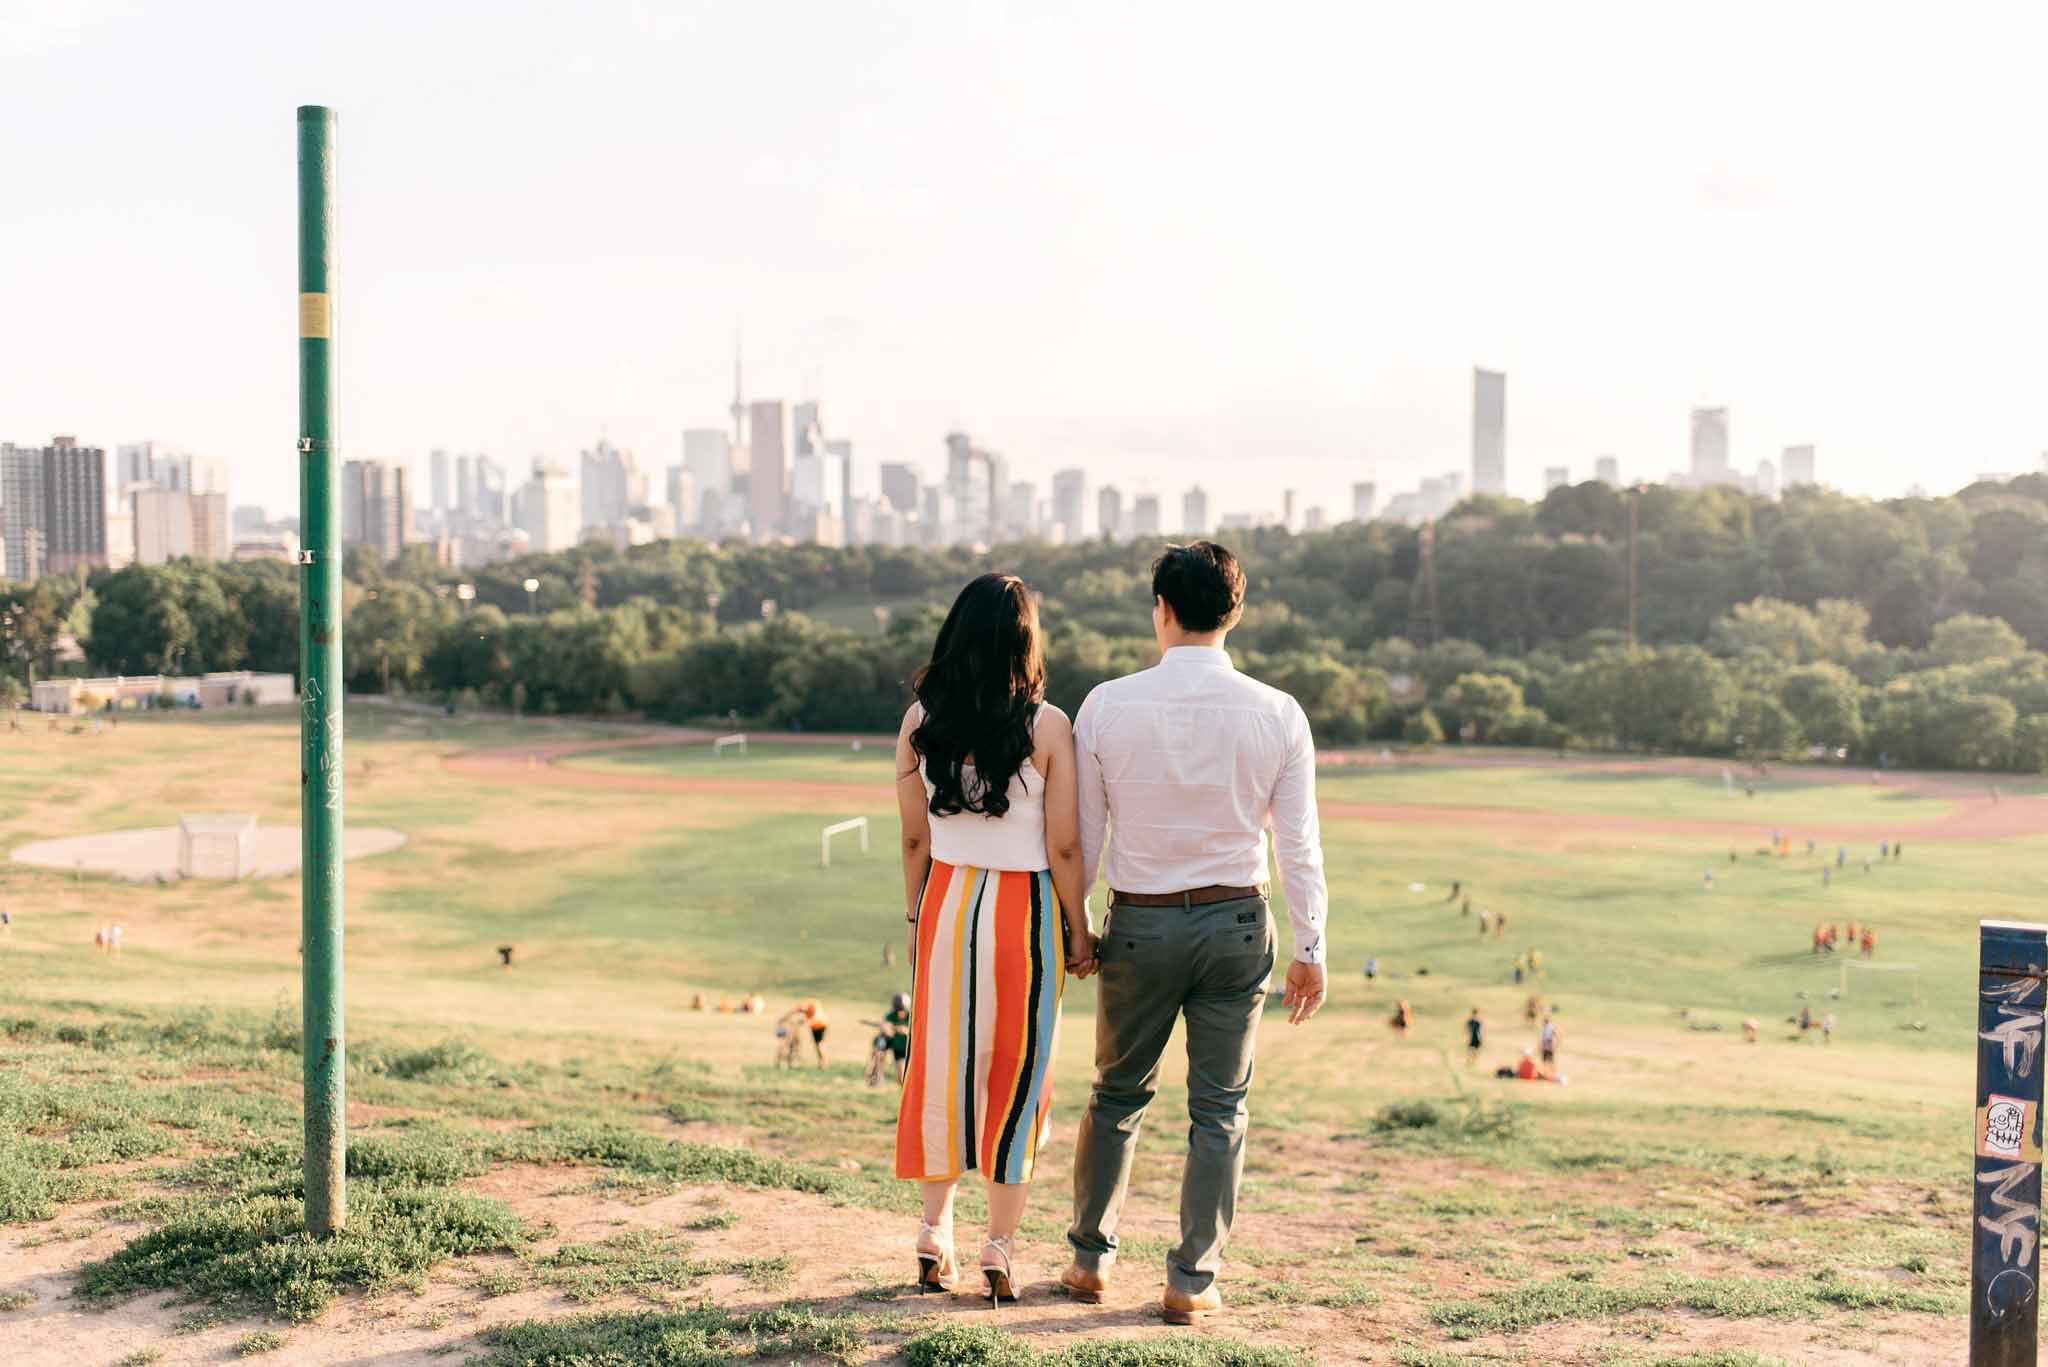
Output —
<point x="850" y="1259"/>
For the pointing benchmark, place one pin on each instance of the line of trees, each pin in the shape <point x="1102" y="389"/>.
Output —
<point x="1909" y="631"/>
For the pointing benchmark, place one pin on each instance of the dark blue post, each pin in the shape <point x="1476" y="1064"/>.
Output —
<point x="2005" y="1256"/>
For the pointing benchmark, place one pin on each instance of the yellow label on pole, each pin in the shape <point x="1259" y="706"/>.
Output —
<point x="316" y="315"/>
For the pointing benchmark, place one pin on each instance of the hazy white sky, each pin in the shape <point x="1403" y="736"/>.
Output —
<point x="1247" y="245"/>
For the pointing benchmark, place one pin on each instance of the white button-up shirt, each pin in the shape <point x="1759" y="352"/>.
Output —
<point x="1182" y="766"/>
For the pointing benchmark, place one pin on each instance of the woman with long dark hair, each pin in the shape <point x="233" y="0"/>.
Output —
<point x="993" y="888"/>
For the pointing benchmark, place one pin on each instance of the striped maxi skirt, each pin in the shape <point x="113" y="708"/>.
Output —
<point x="985" y="1015"/>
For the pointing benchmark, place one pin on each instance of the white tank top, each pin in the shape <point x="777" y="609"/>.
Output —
<point x="1015" y="840"/>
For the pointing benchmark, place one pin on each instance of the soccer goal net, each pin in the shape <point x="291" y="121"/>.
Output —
<point x="858" y="824"/>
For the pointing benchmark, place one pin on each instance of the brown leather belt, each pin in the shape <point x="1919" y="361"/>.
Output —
<point x="1193" y="897"/>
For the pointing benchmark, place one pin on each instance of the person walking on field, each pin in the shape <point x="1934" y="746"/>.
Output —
<point x="1475" y="1037"/>
<point x="996" y="900"/>
<point x="1182" y="768"/>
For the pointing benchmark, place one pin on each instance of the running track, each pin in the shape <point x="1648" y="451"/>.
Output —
<point x="1973" y="814"/>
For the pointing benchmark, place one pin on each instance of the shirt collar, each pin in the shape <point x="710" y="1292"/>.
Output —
<point x="1215" y="657"/>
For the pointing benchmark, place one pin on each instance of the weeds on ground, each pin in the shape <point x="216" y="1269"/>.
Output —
<point x="648" y="1263"/>
<point x="716" y="1219"/>
<point x="1570" y="1298"/>
<point x="976" y="1345"/>
<point x="254" y="1251"/>
<point x="1464" y="1120"/>
<point x="259" y="1341"/>
<point x="17" y="1300"/>
<point x="702" y="1337"/>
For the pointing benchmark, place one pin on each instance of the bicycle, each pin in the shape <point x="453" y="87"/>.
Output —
<point x="881" y="1058"/>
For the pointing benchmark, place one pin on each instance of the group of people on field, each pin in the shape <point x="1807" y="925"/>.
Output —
<point x="1830" y="938"/>
<point x="1538" y="1063"/>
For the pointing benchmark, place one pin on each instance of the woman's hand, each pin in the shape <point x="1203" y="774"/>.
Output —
<point x="1081" y="950"/>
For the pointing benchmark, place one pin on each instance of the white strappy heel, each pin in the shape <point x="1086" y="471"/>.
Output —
<point x="1001" y="1279"/>
<point x="935" y="1270"/>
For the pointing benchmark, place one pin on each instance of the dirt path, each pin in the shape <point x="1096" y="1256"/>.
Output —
<point x="1974" y="815"/>
<point x="848" y="1259"/>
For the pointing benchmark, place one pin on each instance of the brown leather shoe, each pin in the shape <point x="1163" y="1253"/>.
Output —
<point x="1084" y="1286"/>
<point x="1181" y="1308"/>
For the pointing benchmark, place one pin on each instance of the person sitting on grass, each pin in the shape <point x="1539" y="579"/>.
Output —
<point x="813" y="1015"/>
<point x="1529" y="1070"/>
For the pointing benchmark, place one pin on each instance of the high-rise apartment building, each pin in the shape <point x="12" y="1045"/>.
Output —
<point x="1364" y="500"/>
<point x="684" y="506"/>
<point x="767" y="465"/>
<point x="22" y="542"/>
<point x="135" y="463"/>
<point x="976" y="483"/>
<point x="1109" y="512"/>
<point x="900" y="486"/>
<point x="1710" y="446"/>
<point x="163" y="523"/>
<point x="550" y="508"/>
<point x="839" y="453"/>
<point x="74" y="506"/>
<point x="437" y="474"/>
<point x="1555" y="477"/>
<point x="610" y="485"/>
<point x="1145" y="515"/>
<point x="462" y="513"/>
<point x="1020" y="509"/>
<point x="1608" y="471"/>
<point x="1315" y="519"/>
<point x="1765" y="485"/>
<point x="490" y="492"/>
<point x="1070" y="502"/>
<point x="707" y="461"/>
<point x="1194" y="512"/>
<point x="1796" y="466"/>
<point x="376" y="506"/>
<point x="1489" y="432"/>
<point x="210" y="539"/>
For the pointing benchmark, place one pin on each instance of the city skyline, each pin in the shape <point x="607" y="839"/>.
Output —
<point x="1120" y="288"/>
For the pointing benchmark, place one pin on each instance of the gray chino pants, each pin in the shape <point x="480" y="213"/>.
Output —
<point x="1211" y="965"/>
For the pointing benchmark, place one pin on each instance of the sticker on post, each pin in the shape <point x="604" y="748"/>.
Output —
<point x="316" y="316"/>
<point x="2006" y="1123"/>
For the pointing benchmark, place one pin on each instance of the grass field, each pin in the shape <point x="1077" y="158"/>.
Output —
<point x="570" y="1139"/>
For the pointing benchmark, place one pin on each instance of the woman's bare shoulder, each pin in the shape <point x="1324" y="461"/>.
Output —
<point x="1052" y="724"/>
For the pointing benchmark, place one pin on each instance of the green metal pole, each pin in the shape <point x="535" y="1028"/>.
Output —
<point x="320" y="613"/>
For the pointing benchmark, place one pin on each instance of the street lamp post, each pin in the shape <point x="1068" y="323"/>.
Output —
<point x="532" y="588"/>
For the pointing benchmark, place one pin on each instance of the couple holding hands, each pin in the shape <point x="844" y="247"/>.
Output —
<point x="1166" y="781"/>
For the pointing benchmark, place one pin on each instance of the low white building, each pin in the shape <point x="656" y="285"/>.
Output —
<point x="134" y="692"/>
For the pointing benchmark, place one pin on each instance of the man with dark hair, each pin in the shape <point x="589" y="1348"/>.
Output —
<point x="1181" y="767"/>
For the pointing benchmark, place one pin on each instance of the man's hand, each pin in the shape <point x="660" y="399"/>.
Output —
<point x="1081" y="953"/>
<point x="1304" y="994"/>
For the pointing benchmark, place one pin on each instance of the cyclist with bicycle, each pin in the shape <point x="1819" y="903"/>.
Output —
<point x="891" y="1046"/>
<point x="804" y="1013"/>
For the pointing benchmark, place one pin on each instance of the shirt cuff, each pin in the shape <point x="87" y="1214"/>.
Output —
<point x="1317" y="954"/>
